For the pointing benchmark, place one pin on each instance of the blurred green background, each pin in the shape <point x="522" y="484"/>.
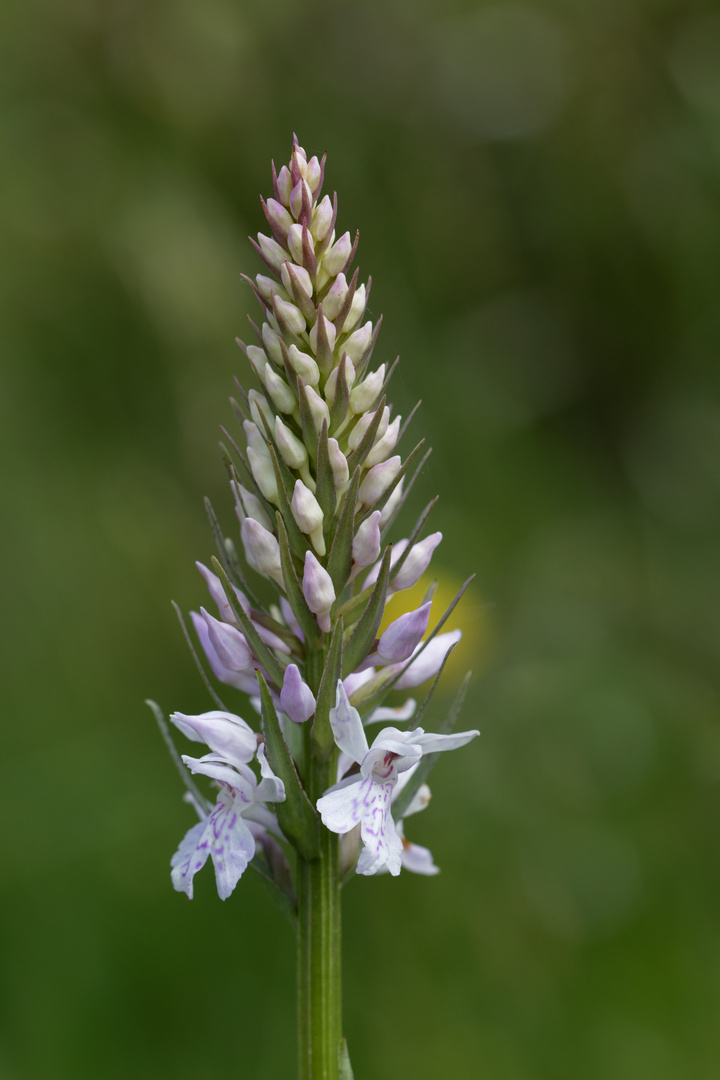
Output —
<point x="537" y="186"/>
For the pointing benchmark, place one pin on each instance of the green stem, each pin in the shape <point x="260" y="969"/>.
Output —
<point x="319" y="983"/>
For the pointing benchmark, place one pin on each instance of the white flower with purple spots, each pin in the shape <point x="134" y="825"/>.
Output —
<point x="365" y="797"/>
<point x="228" y="833"/>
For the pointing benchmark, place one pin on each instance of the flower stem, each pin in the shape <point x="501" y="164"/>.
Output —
<point x="319" y="977"/>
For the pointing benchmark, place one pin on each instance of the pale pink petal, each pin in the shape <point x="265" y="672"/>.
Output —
<point x="347" y="726"/>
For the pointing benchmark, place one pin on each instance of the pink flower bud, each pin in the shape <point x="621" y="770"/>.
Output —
<point x="262" y="550"/>
<point x="217" y="593"/>
<point x="293" y="451"/>
<point x="279" y="215"/>
<point x="378" y="480"/>
<point x="230" y="645"/>
<point x="331" y="384"/>
<point x="416" y="563"/>
<point x="291" y="316"/>
<point x="295" y="234"/>
<point x="391" y="505"/>
<point x="358" y="342"/>
<point x="318" y="408"/>
<point x="306" y="509"/>
<point x="356" y="435"/>
<point x="314" y="173"/>
<point x="335" y="297"/>
<point x="296" y="697"/>
<point x="334" y="260"/>
<point x="357" y="309"/>
<point x="366" y="543"/>
<point x="319" y="590"/>
<point x="398" y="548"/>
<point x="301" y="276"/>
<point x="404" y="635"/>
<point x="285" y="185"/>
<point x="429" y="661"/>
<point x="296" y="197"/>
<point x="241" y="681"/>
<point x="384" y="445"/>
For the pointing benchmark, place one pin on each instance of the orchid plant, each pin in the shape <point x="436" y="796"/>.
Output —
<point x="304" y="798"/>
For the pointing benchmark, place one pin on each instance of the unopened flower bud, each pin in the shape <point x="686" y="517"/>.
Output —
<point x="218" y="594"/>
<point x="258" y="357"/>
<point x="335" y="298"/>
<point x="358" y="342"/>
<point x="296" y="197"/>
<point x="291" y="316"/>
<point x="254" y="439"/>
<point x="263" y="472"/>
<point x="318" y="408"/>
<point x="319" y="590"/>
<point x="268" y="286"/>
<point x="357" y="309"/>
<point x="404" y="635"/>
<point x="366" y="543"/>
<point x="271" y="341"/>
<point x="338" y="464"/>
<point x="296" y="697"/>
<point x="280" y="393"/>
<point x="247" y="504"/>
<point x="262" y="550"/>
<point x="279" y="215"/>
<point x="301" y="276"/>
<point x="385" y="445"/>
<point x="364" y="394"/>
<point x="416" y="563"/>
<point x="331" y="384"/>
<point x="291" y="448"/>
<point x="306" y="509"/>
<point x="285" y="185"/>
<point x="295" y="235"/>
<point x="314" y="173"/>
<point x="329" y="333"/>
<point x="378" y="479"/>
<point x="322" y="216"/>
<point x="273" y="252"/>
<point x="304" y="365"/>
<point x="337" y="256"/>
<point x="229" y="644"/>
<point x="260" y="410"/>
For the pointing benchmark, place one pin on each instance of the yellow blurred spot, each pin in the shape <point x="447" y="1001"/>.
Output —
<point x="471" y="615"/>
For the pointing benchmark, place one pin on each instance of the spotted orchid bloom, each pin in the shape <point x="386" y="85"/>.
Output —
<point x="228" y="833"/>
<point x="365" y="798"/>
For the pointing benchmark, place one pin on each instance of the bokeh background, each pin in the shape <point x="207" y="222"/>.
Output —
<point x="537" y="185"/>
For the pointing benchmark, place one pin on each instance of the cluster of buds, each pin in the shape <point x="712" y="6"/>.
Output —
<point x="317" y="483"/>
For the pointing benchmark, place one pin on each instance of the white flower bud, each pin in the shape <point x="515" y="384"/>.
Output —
<point x="273" y="252"/>
<point x="358" y="342"/>
<point x="295" y="235"/>
<point x="322" y="216"/>
<point x="258" y="357"/>
<point x="293" y="452"/>
<point x="331" y="384"/>
<point x="262" y="550"/>
<point x="364" y="394"/>
<point x="304" y="365"/>
<point x="296" y="197"/>
<point x="279" y="215"/>
<point x="285" y="185"/>
<point x="357" y="433"/>
<point x="416" y="563"/>
<point x="253" y="437"/>
<point x="385" y="445"/>
<point x="329" y="333"/>
<point x="247" y="504"/>
<point x="301" y="276"/>
<point x="338" y="464"/>
<point x="271" y="341"/>
<point x="291" y="316"/>
<point x="300" y="158"/>
<point x="280" y="393"/>
<point x="366" y="543"/>
<point x="268" y="286"/>
<point x="260" y="410"/>
<point x="263" y="472"/>
<point x="356" y="309"/>
<point x="319" y="590"/>
<point x="306" y="509"/>
<point x="318" y="408"/>
<point x="378" y="480"/>
<point x="335" y="297"/>
<point x="335" y="258"/>
<point x="313" y="173"/>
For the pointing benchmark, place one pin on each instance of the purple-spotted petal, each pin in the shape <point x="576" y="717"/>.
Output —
<point x="225" y="838"/>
